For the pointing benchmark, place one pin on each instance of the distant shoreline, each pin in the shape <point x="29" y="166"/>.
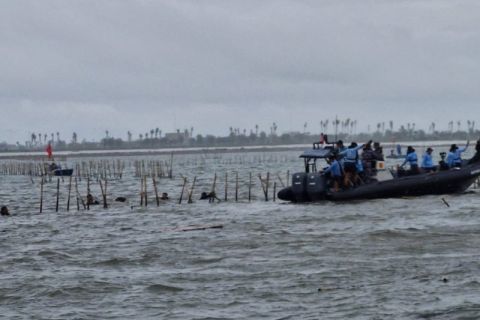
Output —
<point x="61" y="155"/>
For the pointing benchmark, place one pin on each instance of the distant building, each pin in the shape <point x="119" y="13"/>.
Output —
<point x="176" y="137"/>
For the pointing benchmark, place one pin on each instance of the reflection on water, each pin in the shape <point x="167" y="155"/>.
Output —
<point x="395" y="258"/>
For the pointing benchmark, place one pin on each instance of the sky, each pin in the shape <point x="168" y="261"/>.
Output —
<point x="90" y="66"/>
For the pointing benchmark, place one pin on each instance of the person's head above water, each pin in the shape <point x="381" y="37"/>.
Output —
<point x="4" y="211"/>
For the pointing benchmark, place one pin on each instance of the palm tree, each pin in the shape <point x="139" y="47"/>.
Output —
<point x="156" y="132"/>
<point x="391" y="125"/>
<point x="74" y="138"/>
<point x="106" y="133"/>
<point x="305" y="125"/>
<point x="34" y="138"/>
<point x="129" y="136"/>
<point x="58" y="137"/>
<point x="459" y="123"/>
<point x="256" y="130"/>
<point x="151" y="133"/>
<point x="140" y="136"/>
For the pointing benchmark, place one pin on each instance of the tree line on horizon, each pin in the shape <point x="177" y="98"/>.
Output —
<point x="336" y="129"/>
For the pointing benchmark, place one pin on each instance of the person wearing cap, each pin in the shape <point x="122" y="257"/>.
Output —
<point x="412" y="160"/>
<point x="454" y="157"/>
<point x="427" y="161"/>
<point x="334" y="171"/>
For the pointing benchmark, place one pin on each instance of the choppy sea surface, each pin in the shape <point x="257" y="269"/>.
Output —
<point x="409" y="258"/>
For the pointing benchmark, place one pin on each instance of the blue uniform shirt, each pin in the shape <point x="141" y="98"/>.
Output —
<point x="351" y="154"/>
<point x="427" y="161"/>
<point x="334" y="169"/>
<point x="359" y="166"/>
<point x="455" y="158"/>
<point x="411" y="158"/>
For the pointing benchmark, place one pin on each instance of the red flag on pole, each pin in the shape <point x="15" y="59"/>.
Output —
<point x="49" y="151"/>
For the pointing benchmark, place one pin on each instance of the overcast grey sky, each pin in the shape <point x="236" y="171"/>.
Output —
<point x="91" y="66"/>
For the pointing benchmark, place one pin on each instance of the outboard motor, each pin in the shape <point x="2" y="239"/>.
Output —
<point x="299" y="187"/>
<point x="316" y="186"/>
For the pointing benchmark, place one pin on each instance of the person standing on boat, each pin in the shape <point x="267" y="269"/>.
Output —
<point x="339" y="147"/>
<point x="334" y="171"/>
<point x="476" y="157"/>
<point x="399" y="149"/>
<point x="350" y="163"/>
<point x="454" y="157"/>
<point x="378" y="151"/>
<point x="368" y="159"/>
<point x="412" y="160"/>
<point x="427" y="161"/>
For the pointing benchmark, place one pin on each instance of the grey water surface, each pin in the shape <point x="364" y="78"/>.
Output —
<point x="412" y="258"/>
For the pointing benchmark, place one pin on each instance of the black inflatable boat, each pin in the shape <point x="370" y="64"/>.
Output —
<point x="311" y="185"/>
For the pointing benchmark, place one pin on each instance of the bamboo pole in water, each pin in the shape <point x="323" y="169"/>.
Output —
<point x="69" y="193"/>
<point x="156" y="191"/>
<point x="104" y="196"/>
<point x="41" y="195"/>
<point x="58" y="194"/>
<point x="236" y="186"/>
<point x="76" y="194"/>
<point x="266" y="186"/>
<point x="214" y="186"/>
<point x="274" y="191"/>
<point x="226" y="186"/>
<point x="141" y="191"/>
<point x="88" y="192"/>
<point x="170" y="173"/>
<point x="250" y="187"/>
<point x="264" y="189"/>
<point x="183" y="190"/>
<point x="191" y="190"/>
<point x="145" y="190"/>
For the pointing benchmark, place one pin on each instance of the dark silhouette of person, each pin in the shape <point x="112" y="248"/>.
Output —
<point x="4" y="211"/>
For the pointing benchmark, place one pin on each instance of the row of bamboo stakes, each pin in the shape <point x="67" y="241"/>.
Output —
<point x="187" y="190"/>
<point x="86" y="169"/>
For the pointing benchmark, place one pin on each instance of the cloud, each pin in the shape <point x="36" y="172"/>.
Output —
<point x="133" y="65"/>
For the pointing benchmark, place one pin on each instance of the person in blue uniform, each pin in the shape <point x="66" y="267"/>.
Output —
<point x="350" y="158"/>
<point x="334" y="171"/>
<point x="412" y="160"/>
<point x="427" y="161"/>
<point x="454" y="157"/>
<point x="399" y="149"/>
